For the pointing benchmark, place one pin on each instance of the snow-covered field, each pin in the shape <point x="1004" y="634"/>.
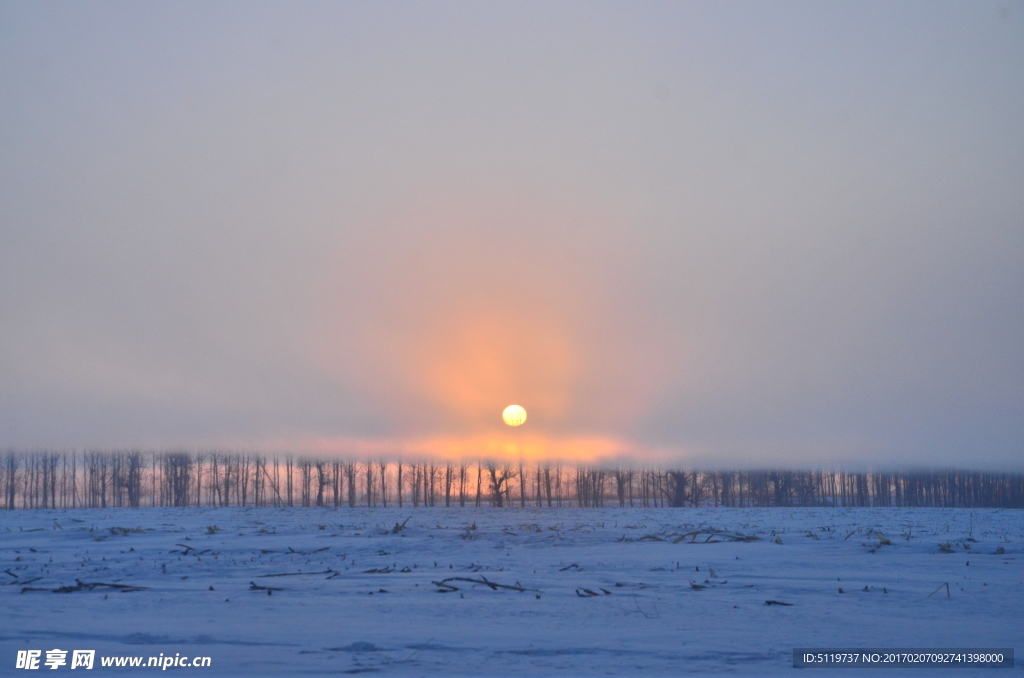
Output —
<point x="676" y="591"/>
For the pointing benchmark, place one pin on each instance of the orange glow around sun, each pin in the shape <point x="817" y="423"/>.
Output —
<point x="433" y="336"/>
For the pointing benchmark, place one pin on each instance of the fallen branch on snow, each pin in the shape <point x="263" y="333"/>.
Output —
<point x="714" y="537"/>
<point x="88" y="586"/>
<point x="190" y="548"/>
<point x="448" y="588"/>
<point x="292" y="551"/>
<point x="253" y="586"/>
<point x="587" y="593"/>
<point x="293" y="574"/>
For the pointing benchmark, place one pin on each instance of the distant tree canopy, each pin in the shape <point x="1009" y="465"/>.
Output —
<point x="133" y="478"/>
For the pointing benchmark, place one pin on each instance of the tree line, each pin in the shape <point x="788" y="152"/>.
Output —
<point x="134" y="478"/>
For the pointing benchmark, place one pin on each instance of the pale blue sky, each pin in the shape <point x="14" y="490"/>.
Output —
<point x="735" y="233"/>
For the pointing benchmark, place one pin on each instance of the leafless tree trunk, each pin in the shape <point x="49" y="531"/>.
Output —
<point x="430" y="493"/>
<point x="499" y="478"/>
<point x="336" y="482"/>
<point x="416" y="489"/>
<point x="479" y="483"/>
<point x="398" y="483"/>
<point x="448" y="476"/>
<point x="462" y="483"/>
<point x="522" y="486"/>
<point x="288" y="474"/>
<point x="10" y="489"/>
<point x="350" y="472"/>
<point x="369" y="483"/>
<point x="321" y="482"/>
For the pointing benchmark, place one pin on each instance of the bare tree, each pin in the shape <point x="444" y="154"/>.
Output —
<point x="522" y="486"/>
<point x="398" y="483"/>
<point x="322" y="481"/>
<point x="479" y="482"/>
<point x="369" y="483"/>
<point x="498" y="476"/>
<point x="176" y="471"/>
<point x="350" y="475"/>
<point x="429" y="492"/>
<point x="623" y="483"/>
<point x="448" y="477"/>
<point x="11" y="479"/>
<point x="462" y="483"/>
<point x="416" y="485"/>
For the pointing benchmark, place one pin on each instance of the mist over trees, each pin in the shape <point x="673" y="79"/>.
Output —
<point x="133" y="479"/>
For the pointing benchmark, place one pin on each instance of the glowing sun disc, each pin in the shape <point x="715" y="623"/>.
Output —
<point x="514" y="415"/>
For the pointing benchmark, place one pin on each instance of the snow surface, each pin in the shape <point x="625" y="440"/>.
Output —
<point x="397" y="622"/>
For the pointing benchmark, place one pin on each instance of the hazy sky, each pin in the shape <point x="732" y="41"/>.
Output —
<point x="720" y="233"/>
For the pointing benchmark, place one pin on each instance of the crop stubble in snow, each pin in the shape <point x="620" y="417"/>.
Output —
<point x="604" y="591"/>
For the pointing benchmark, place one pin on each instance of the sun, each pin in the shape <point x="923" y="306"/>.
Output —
<point x="514" y="415"/>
